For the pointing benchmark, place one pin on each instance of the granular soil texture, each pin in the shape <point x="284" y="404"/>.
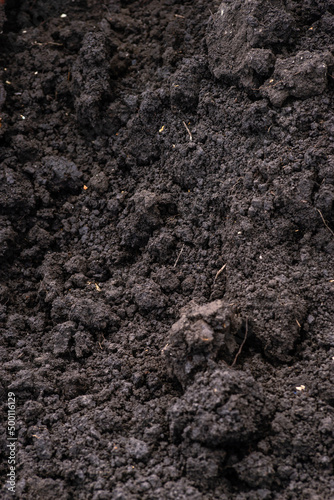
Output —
<point x="166" y="229"/>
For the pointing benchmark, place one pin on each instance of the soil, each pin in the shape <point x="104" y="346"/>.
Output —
<point x="166" y="230"/>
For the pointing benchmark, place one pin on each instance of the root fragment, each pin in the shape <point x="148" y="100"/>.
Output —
<point x="242" y="345"/>
<point x="323" y="220"/>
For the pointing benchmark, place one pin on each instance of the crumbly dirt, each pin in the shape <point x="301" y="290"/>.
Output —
<point x="166" y="244"/>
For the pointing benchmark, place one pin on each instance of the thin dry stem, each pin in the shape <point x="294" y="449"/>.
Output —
<point x="190" y="136"/>
<point x="323" y="220"/>
<point x="178" y="257"/>
<point x="242" y="345"/>
<point x="218" y="273"/>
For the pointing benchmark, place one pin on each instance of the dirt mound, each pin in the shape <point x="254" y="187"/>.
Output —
<point x="166" y="244"/>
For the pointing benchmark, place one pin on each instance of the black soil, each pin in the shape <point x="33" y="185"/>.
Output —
<point x="166" y="246"/>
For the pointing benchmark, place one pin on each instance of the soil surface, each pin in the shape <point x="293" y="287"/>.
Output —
<point x="166" y="245"/>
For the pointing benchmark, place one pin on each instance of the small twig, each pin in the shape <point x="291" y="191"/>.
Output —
<point x="178" y="257"/>
<point x="190" y="136"/>
<point x="218" y="273"/>
<point x="243" y="343"/>
<point x="48" y="43"/>
<point x="323" y="220"/>
<point x="234" y="185"/>
<point x="280" y="81"/>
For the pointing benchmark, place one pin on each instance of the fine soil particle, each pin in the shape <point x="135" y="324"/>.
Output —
<point x="166" y="246"/>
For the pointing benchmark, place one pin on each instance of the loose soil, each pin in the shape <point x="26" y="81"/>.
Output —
<point x="166" y="230"/>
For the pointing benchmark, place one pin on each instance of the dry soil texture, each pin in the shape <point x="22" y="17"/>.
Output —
<point x="166" y="245"/>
